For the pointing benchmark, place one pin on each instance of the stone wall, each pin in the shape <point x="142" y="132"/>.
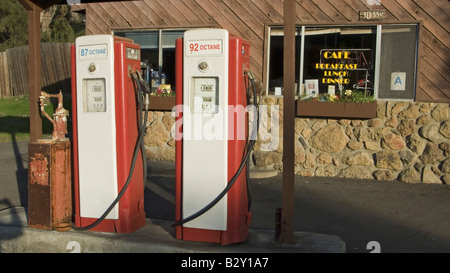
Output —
<point x="159" y="140"/>
<point x="407" y="141"/>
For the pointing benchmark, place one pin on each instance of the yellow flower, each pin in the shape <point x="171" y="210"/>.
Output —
<point x="348" y="92"/>
<point x="332" y="97"/>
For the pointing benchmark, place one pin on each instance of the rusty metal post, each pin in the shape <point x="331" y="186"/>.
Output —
<point x="287" y="213"/>
<point x="49" y="185"/>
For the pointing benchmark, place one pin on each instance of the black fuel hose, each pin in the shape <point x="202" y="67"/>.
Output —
<point x="137" y="147"/>
<point x="249" y="148"/>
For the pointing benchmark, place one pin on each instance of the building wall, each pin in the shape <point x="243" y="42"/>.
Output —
<point x="250" y="18"/>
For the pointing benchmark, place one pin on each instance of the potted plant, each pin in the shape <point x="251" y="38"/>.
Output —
<point x="352" y="104"/>
<point x="162" y="99"/>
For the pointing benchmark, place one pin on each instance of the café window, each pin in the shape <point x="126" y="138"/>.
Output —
<point x="377" y="61"/>
<point x="157" y="56"/>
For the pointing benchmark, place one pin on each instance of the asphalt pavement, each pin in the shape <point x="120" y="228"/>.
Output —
<point x="332" y="215"/>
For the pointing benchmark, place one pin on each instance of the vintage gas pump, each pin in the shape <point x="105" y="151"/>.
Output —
<point x="212" y="203"/>
<point x="107" y="132"/>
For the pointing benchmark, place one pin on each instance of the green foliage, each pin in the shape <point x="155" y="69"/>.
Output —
<point x="64" y="27"/>
<point x="347" y="96"/>
<point x="13" y="25"/>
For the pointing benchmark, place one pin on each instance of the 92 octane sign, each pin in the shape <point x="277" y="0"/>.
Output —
<point x="204" y="47"/>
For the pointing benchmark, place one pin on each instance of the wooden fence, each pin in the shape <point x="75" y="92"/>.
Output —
<point x="55" y="69"/>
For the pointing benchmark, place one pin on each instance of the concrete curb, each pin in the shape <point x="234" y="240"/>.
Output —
<point x="156" y="237"/>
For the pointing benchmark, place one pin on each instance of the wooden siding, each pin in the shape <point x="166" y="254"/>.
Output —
<point x="249" y="19"/>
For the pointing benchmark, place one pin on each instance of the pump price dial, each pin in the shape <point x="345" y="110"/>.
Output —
<point x="207" y="88"/>
<point x="94" y="95"/>
<point x="205" y="95"/>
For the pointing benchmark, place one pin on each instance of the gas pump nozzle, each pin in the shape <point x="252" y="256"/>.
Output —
<point x="145" y="86"/>
<point x="142" y="85"/>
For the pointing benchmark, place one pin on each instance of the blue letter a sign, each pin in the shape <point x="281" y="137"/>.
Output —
<point x="398" y="81"/>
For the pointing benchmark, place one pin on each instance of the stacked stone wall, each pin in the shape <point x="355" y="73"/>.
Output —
<point x="406" y="141"/>
<point x="159" y="139"/>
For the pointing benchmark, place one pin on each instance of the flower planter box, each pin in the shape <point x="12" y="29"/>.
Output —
<point x="161" y="103"/>
<point x="362" y="110"/>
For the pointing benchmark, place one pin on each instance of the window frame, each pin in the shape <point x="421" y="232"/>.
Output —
<point x="300" y="28"/>
<point x="160" y="46"/>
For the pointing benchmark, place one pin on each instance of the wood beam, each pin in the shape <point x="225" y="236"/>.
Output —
<point x="287" y="214"/>
<point x="27" y="4"/>
<point x="34" y="73"/>
<point x="34" y="70"/>
<point x="34" y="9"/>
<point x="30" y="4"/>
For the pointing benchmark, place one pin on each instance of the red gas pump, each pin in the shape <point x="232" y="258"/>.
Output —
<point x="211" y="184"/>
<point x="108" y="165"/>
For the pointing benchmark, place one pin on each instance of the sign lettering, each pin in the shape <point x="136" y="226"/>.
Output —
<point x="335" y="64"/>
<point x="372" y="15"/>
<point x="205" y="47"/>
<point x="398" y="81"/>
<point x="93" y="52"/>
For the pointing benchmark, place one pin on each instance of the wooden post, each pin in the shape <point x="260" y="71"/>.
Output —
<point x="287" y="214"/>
<point x="34" y="9"/>
<point x="34" y="71"/>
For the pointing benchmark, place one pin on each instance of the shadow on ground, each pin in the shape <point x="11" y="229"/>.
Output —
<point x="401" y="217"/>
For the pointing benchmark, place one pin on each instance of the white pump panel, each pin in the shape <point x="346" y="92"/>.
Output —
<point x="96" y="109"/>
<point x="205" y="80"/>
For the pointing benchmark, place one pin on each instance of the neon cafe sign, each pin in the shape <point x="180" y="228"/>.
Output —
<point x="336" y="64"/>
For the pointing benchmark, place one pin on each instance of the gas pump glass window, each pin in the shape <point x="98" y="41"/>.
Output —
<point x="94" y="95"/>
<point x="157" y="56"/>
<point x="331" y="60"/>
<point x="205" y="96"/>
